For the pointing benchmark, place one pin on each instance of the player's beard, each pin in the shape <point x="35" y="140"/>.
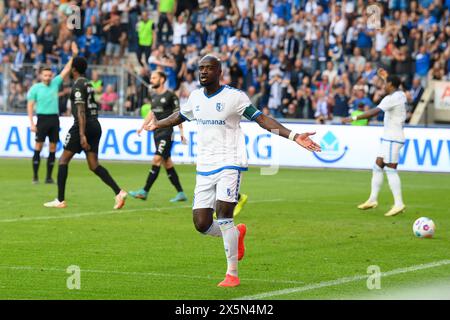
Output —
<point x="155" y="86"/>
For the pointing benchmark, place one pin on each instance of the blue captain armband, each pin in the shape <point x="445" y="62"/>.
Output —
<point x="182" y="116"/>
<point x="251" y="113"/>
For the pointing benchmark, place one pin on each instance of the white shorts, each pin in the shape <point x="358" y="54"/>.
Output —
<point x="223" y="186"/>
<point x="390" y="150"/>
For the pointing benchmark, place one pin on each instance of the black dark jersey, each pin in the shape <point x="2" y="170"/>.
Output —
<point x="163" y="105"/>
<point x="83" y="93"/>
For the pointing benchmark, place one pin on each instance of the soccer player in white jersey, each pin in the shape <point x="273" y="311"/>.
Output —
<point x="222" y="156"/>
<point x="393" y="139"/>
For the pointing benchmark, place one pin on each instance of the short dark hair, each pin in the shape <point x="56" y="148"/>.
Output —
<point x="394" y="80"/>
<point x="80" y="65"/>
<point x="161" y="74"/>
<point x="44" y="68"/>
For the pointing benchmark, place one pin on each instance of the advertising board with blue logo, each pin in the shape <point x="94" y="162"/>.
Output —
<point x="354" y="147"/>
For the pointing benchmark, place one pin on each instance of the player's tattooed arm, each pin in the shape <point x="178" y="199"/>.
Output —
<point x="81" y="114"/>
<point x="171" y="121"/>
<point x="302" y="139"/>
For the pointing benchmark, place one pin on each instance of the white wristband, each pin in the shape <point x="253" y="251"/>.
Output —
<point x="354" y="118"/>
<point x="292" y="135"/>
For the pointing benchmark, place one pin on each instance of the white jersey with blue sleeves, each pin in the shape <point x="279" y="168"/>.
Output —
<point x="220" y="140"/>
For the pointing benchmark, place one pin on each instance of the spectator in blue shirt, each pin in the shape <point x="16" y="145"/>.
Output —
<point x="225" y="32"/>
<point x="39" y="57"/>
<point x="198" y="36"/>
<point x="426" y="21"/>
<point x="360" y="97"/>
<point x="282" y="9"/>
<point x="364" y="39"/>
<point x="65" y="53"/>
<point x="12" y="29"/>
<point x="425" y="3"/>
<point x="398" y="5"/>
<point x="423" y="63"/>
<point x="340" y="104"/>
<point x="91" y="10"/>
<point x="90" y="46"/>
<point x="245" y="24"/>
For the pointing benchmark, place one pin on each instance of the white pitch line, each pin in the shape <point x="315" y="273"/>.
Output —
<point x="341" y="281"/>
<point x="97" y="213"/>
<point x="92" y="213"/>
<point x="146" y="274"/>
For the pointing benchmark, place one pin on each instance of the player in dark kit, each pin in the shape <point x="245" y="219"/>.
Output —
<point x="84" y="135"/>
<point x="164" y="103"/>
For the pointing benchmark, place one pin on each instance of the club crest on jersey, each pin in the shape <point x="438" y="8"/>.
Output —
<point x="220" y="106"/>
<point x="197" y="108"/>
<point x="163" y="100"/>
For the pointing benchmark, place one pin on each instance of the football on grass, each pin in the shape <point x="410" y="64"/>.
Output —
<point x="424" y="227"/>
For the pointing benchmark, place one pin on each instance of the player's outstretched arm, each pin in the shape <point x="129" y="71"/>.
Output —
<point x="173" y="120"/>
<point x="302" y="139"/>
<point x="366" y="115"/>
<point x="66" y="71"/>
<point x="147" y="120"/>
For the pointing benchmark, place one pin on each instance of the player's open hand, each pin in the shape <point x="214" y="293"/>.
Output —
<point x="33" y="128"/>
<point x="183" y="140"/>
<point x="153" y="124"/>
<point x="84" y="144"/>
<point x="139" y="131"/>
<point x="304" y="140"/>
<point x="346" y="120"/>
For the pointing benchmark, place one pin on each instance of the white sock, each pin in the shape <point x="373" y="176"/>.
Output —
<point x="377" y="182"/>
<point x="396" y="185"/>
<point x="230" y="242"/>
<point x="214" y="230"/>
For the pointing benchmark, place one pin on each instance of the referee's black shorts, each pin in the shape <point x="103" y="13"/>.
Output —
<point x="93" y="133"/>
<point x="163" y="143"/>
<point x="47" y="126"/>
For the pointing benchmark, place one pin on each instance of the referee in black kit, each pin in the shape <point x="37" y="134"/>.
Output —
<point x="44" y="96"/>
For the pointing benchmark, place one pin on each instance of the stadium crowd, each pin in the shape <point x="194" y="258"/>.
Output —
<point x="309" y="59"/>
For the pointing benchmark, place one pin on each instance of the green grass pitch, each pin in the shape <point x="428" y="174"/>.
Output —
<point x="304" y="230"/>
